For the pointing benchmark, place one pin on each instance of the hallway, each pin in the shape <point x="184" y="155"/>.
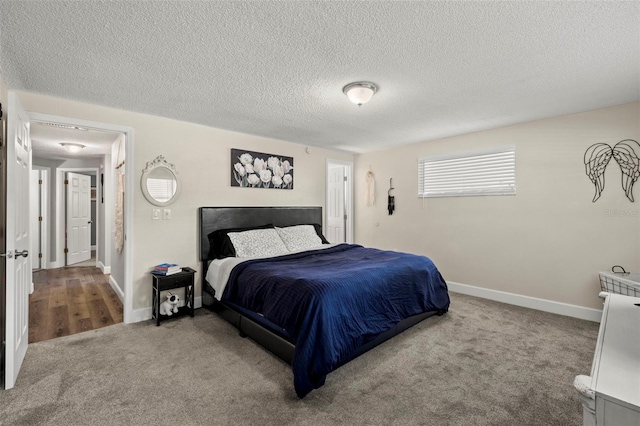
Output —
<point x="71" y="300"/>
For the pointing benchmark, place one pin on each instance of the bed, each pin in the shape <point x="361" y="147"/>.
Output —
<point x="315" y="308"/>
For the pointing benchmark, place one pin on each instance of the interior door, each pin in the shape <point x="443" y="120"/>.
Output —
<point x="336" y="228"/>
<point x="78" y="218"/>
<point x="17" y="239"/>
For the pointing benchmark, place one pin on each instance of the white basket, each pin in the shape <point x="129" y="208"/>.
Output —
<point x="626" y="284"/>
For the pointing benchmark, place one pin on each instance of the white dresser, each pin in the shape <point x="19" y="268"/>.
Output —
<point x="611" y="395"/>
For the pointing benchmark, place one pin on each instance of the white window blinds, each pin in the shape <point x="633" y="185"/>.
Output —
<point x="487" y="172"/>
<point x="161" y="189"/>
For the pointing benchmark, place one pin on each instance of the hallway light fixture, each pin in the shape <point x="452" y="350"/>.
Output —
<point x="72" y="147"/>
<point x="360" y="92"/>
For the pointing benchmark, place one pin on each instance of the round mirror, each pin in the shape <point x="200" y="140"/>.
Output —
<point x="160" y="183"/>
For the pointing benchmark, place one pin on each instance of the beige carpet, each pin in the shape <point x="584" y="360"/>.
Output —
<point x="483" y="363"/>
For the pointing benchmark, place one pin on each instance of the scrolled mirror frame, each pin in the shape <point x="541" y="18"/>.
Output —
<point x="158" y="162"/>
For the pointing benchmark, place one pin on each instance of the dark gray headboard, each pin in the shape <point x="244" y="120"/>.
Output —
<point x="214" y="218"/>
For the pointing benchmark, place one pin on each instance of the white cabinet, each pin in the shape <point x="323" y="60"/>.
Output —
<point x="611" y="395"/>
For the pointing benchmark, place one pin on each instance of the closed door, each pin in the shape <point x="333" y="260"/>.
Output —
<point x="336" y="214"/>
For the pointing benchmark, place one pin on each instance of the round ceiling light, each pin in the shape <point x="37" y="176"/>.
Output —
<point x="72" y="147"/>
<point x="360" y="92"/>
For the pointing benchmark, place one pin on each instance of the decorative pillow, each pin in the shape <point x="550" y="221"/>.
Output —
<point x="299" y="237"/>
<point x="220" y="245"/>
<point x="257" y="242"/>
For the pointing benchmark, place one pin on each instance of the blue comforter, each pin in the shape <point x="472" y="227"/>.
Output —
<point x="332" y="301"/>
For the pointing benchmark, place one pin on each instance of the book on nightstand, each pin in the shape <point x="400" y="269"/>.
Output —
<point x="166" y="269"/>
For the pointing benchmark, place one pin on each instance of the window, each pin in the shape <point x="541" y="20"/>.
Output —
<point x="487" y="172"/>
<point x="161" y="189"/>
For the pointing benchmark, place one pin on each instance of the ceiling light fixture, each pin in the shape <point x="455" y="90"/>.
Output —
<point x="360" y="92"/>
<point x="72" y="147"/>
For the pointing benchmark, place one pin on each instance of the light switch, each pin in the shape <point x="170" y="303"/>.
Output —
<point x="155" y="214"/>
<point x="166" y="214"/>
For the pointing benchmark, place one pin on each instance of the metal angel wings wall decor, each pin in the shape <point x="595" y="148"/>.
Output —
<point x="626" y="153"/>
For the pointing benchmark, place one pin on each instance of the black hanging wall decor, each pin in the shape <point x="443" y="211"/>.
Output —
<point x="626" y="153"/>
<point x="392" y="200"/>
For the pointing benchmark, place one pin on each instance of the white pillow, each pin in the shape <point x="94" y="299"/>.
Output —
<point x="299" y="237"/>
<point x="257" y="242"/>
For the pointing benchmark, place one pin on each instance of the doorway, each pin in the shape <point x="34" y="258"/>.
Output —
<point x="40" y="221"/>
<point x="74" y="296"/>
<point x="39" y="217"/>
<point x="80" y="220"/>
<point x="117" y="264"/>
<point x="339" y="207"/>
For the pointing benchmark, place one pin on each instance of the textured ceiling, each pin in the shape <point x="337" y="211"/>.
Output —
<point x="277" y="69"/>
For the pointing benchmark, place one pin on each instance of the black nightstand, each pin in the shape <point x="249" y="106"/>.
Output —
<point x="183" y="279"/>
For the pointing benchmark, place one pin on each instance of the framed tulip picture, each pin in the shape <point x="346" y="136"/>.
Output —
<point x="250" y="169"/>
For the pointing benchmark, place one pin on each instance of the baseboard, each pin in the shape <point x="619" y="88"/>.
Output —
<point x="105" y="269"/>
<point x="559" y="308"/>
<point x="116" y="288"/>
<point x="145" y="314"/>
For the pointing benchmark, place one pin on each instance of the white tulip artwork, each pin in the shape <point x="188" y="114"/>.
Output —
<point x="251" y="169"/>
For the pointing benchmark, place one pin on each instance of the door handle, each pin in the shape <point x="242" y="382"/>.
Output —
<point x="90" y="221"/>
<point x="10" y="254"/>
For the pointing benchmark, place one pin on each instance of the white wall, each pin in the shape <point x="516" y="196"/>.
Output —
<point x="549" y="241"/>
<point x="202" y="156"/>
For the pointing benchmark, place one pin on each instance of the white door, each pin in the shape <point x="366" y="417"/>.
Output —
<point x="36" y="219"/>
<point x="78" y="218"/>
<point x="18" y="241"/>
<point x="336" y="214"/>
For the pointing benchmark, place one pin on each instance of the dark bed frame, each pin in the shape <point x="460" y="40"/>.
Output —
<point x="214" y="218"/>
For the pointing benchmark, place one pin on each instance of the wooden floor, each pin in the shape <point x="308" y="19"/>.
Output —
<point x="70" y="300"/>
